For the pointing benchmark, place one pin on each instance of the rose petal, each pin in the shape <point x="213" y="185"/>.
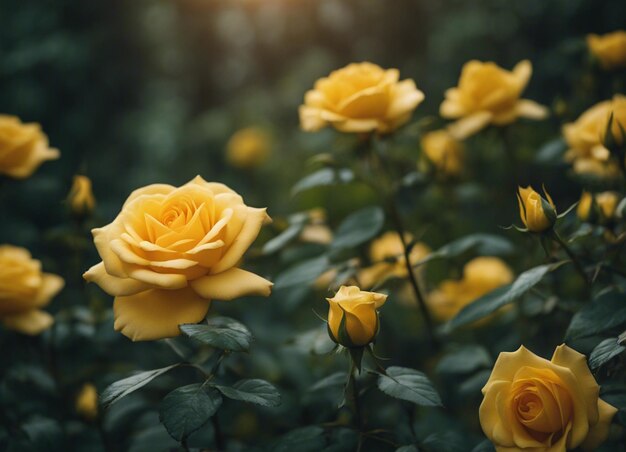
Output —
<point x="156" y="314"/>
<point x="30" y="322"/>
<point x="230" y="284"/>
<point x="465" y="127"/>
<point x="113" y="285"/>
<point x="530" y="109"/>
<point x="50" y="286"/>
<point x="598" y="432"/>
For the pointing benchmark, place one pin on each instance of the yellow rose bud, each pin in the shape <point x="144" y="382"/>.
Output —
<point x="487" y="94"/>
<point x="173" y="249"/>
<point x="353" y="316"/>
<point x="532" y="403"/>
<point x="586" y="136"/>
<point x="387" y="256"/>
<point x="443" y="151"/>
<point x="317" y="231"/>
<point x="80" y="198"/>
<point x="537" y="213"/>
<point x="249" y="148"/>
<point x="23" y="147"/>
<point x="609" y="49"/>
<point x="584" y="206"/>
<point x="607" y="201"/>
<point x="480" y="276"/>
<point x="24" y="289"/>
<point x="361" y="97"/>
<point x="87" y="402"/>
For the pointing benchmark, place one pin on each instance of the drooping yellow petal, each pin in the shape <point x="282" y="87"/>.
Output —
<point x="30" y="322"/>
<point x="230" y="284"/>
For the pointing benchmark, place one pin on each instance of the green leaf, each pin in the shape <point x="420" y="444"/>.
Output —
<point x="323" y="177"/>
<point x="336" y="379"/>
<point x="449" y="441"/>
<point x="306" y="439"/>
<point x="602" y="314"/>
<point x="551" y="152"/>
<point x="188" y="408"/>
<point x="220" y="332"/>
<point x="410" y="385"/>
<point x="303" y="273"/>
<point x="494" y="300"/>
<point x="358" y="228"/>
<point x="282" y="239"/>
<point x="255" y="391"/>
<point x="485" y="244"/>
<point x="604" y="352"/>
<point x="484" y="446"/>
<point x="407" y="448"/>
<point x="122" y="388"/>
<point x="464" y="360"/>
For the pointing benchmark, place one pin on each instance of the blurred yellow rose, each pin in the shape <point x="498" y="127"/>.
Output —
<point x="609" y="49"/>
<point x="361" y="97"/>
<point x="443" y="151"/>
<point x="480" y="276"/>
<point x="173" y="249"/>
<point x="537" y="213"/>
<point x="87" y="402"/>
<point x="605" y="203"/>
<point x="316" y="230"/>
<point x="387" y="255"/>
<point x="24" y="289"/>
<point x="248" y="148"/>
<point x="358" y="311"/>
<point x="80" y="198"/>
<point x="531" y="403"/>
<point x="488" y="94"/>
<point x="23" y="147"/>
<point x="586" y="136"/>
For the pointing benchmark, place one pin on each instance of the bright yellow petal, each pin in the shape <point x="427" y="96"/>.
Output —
<point x="113" y="285"/>
<point x="154" y="189"/>
<point x="156" y="314"/>
<point x="50" y="286"/>
<point x="30" y="322"/>
<point x="530" y="109"/>
<point x="598" y="432"/>
<point x="465" y="127"/>
<point x="232" y="283"/>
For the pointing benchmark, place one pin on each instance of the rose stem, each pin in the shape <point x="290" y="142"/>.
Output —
<point x="573" y="257"/>
<point x="358" y="420"/>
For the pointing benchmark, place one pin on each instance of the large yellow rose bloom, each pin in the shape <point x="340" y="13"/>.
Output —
<point x="609" y="49"/>
<point x="443" y="151"/>
<point x="585" y="137"/>
<point x="24" y="290"/>
<point x="358" y="310"/>
<point x="23" y="147"/>
<point x="387" y="255"/>
<point x="488" y="94"/>
<point x="480" y="276"/>
<point x="531" y="403"/>
<point x="173" y="249"/>
<point x="361" y="97"/>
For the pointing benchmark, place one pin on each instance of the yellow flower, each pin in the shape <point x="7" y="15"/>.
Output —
<point x="537" y="213"/>
<point x="540" y="405"/>
<point x="606" y="203"/>
<point x="316" y="231"/>
<point x="80" y="198"/>
<point x="387" y="255"/>
<point x="24" y="289"/>
<point x="248" y="148"/>
<point x="443" y="151"/>
<point x="480" y="276"/>
<point x="586" y="136"/>
<point x="173" y="249"/>
<point x="609" y="49"/>
<point x="361" y="97"/>
<point x="357" y="310"/>
<point x="87" y="402"/>
<point x="23" y="147"/>
<point x="488" y="94"/>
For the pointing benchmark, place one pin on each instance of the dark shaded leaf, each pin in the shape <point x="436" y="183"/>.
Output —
<point x="323" y="177"/>
<point x="358" y="227"/>
<point x="336" y="379"/>
<point x="464" y="360"/>
<point x="410" y="385"/>
<point x="303" y="273"/>
<point x="604" y="352"/>
<point x="255" y="391"/>
<point x="602" y="314"/>
<point x="481" y="243"/>
<point x="306" y="439"/>
<point x="221" y="332"/>
<point x="122" y="388"/>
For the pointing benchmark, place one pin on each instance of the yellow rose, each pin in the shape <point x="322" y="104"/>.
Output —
<point x="23" y="147"/>
<point x="480" y="276"/>
<point x="173" y="249"/>
<point x="248" y="148"/>
<point x="24" y="289"/>
<point x="80" y="198"/>
<point x="316" y="231"/>
<point x="606" y="203"/>
<point x="585" y="137"/>
<point x="531" y="403"/>
<point x="488" y="94"/>
<point x="361" y="97"/>
<point x="87" y="402"/>
<point x="443" y="151"/>
<point x="537" y="213"/>
<point x="609" y="49"/>
<point x="358" y="311"/>
<point x="387" y="255"/>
